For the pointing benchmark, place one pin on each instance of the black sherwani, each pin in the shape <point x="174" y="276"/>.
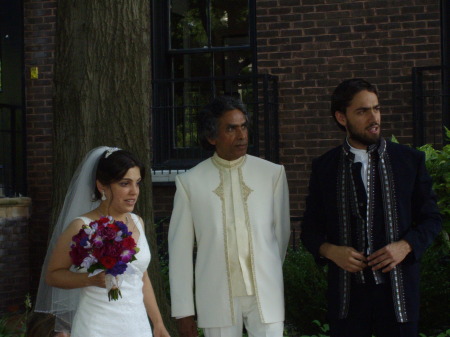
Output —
<point x="418" y="218"/>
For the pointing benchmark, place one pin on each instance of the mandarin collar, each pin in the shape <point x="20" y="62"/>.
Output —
<point x="227" y="164"/>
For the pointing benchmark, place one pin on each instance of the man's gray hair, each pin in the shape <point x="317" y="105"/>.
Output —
<point x="208" y="118"/>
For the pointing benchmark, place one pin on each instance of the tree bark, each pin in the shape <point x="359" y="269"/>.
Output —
<point x="102" y="97"/>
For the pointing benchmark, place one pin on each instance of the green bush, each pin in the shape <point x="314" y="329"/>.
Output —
<point x="5" y="329"/>
<point x="435" y="273"/>
<point x="435" y="286"/>
<point x="441" y="334"/>
<point x="323" y="330"/>
<point x="14" y="324"/>
<point x="304" y="290"/>
<point x="438" y="166"/>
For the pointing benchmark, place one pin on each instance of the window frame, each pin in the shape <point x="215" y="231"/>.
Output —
<point x="165" y="154"/>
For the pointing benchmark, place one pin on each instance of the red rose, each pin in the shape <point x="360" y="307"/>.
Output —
<point x="103" y="220"/>
<point x="128" y="243"/>
<point x="108" y="261"/>
<point x="113" y="226"/>
<point x="107" y="233"/>
<point x="99" y="252"/>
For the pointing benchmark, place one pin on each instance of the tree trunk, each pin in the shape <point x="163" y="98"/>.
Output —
<point x="102" y="86"/>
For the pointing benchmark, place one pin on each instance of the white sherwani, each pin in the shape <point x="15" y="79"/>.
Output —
<point x="202" y="213"/>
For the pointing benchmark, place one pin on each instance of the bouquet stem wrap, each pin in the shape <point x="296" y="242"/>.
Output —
<point x="113" y="286"/>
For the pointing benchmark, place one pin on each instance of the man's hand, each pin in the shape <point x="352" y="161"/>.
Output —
<point x="389" y="256"/>
<point x="187" y="327"/>
<point x="347" y="258"/>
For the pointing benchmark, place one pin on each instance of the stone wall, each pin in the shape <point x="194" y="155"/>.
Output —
<point x="14" y="253"/>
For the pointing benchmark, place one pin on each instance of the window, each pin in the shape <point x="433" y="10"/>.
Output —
<point x="12" y="114"/>
<point x="201" y="49"/>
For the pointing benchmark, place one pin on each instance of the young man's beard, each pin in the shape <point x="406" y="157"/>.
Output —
<point x="361" y="137"/>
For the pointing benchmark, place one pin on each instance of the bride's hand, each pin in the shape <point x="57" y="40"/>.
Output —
<point x="159" y="330"/>
<point x="97" y="280"/>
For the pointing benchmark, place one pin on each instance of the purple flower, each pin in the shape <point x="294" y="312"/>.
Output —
<point x="123" y="228"/>
<point x="97" y="241"/>
<point x="127" y="255"/>
<point x="88" y="261"/>
<point x="118" y="237"/>
<point x="78" y="237"/>
<point x="118" y="269"/>
<point x="85" y="243"/>
<point x="91" y="229"/>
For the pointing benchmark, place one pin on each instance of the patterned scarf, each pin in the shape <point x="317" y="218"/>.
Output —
<point x="348" y="206"/>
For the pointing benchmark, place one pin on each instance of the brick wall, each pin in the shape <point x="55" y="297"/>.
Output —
<point x="39" y="45"/>
<point x="311" y="45"/>
<point x="163" y="199"/>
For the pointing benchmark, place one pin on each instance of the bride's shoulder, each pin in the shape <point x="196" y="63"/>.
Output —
<point x="72" y="228"/>
<point x="88" y="217"/>
<point x="137" y="218"/>
<point x="76" y="224"/>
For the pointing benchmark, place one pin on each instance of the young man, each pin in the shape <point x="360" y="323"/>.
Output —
<point x="236" y="207"/>
<point x="370" y="214"/>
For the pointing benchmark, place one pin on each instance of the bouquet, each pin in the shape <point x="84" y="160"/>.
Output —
<point x="104" y="245"/>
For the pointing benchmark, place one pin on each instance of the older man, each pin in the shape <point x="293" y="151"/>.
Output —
<point x="236" y="207"/>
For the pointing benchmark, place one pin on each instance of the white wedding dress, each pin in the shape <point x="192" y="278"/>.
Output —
<point x="126" y="317"/>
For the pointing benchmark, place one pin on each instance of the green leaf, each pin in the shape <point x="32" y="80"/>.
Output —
<point x="317" y="322"/>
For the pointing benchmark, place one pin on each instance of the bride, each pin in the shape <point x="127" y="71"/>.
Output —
<point x="105" y="184"/>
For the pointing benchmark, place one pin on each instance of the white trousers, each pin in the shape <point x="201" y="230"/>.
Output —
<point x="246" y="312"/>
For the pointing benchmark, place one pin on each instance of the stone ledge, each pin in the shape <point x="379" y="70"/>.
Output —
<point x="15" y="207"/>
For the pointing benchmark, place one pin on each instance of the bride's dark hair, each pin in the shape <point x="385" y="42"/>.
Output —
<point x="114" y="167"/>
